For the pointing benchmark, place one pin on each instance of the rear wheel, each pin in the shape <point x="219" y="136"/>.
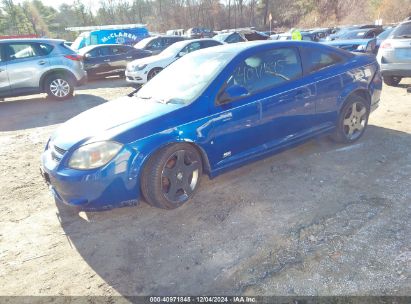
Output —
<point x="59" y="87"/>
<point x="171" y="176"/>
<point x="153" y="73"/>
<point x="353" y="120"/>
<point x="392" y="80"/>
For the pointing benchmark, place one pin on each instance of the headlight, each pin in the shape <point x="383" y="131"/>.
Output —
<point x="94" y="155"/>
<point x="140" y="67"/>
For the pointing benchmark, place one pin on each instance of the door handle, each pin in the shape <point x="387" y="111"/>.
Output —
<point x="41" y="62"/>
<point x="129" y="57"/>
<point x="107" y="60"/>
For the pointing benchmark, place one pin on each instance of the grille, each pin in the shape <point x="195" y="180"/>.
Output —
<point x="57" y="153"/>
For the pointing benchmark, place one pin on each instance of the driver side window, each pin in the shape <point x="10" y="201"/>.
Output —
<point x="267" y="69"/>
<point x="191" y="47"/>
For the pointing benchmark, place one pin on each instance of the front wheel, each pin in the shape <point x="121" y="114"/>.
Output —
<point x="59" y="87"/>
<point x="392" y="80"/>
<point x="172" y="176"/>
<point x="352" y="121"/>
<point x="153" y="73"/>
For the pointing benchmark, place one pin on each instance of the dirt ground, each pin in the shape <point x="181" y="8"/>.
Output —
<point x="320" y="219"/>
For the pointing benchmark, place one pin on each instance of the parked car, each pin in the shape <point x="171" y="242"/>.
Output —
<point x="199" y="32"/>
<point x="30" y="66"/>
<point x="394" y="55"/>
<point x="211" y="111"/>
<point x="231" y="37"/>
<point x="307" y="36"/>
<point x="106" y="60"/>
<point x="356" y="32"/>
<point x="157" y="44"/>
<point x="142" y="70"/>
<point x="355" y="45"/>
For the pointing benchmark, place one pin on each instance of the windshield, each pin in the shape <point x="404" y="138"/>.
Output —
<point x="186" y="78"/>
<point x="79" y="42"/>
<point x="402" y="31"/>
<point x="221" y="37"/>
<point x="173" y="49"/>
<point x="353" y="35"/>
<point x="142" y="43"/>
<point x="385" y="34"/>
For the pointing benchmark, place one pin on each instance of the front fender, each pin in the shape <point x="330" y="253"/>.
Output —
<point x="195" y="133"/>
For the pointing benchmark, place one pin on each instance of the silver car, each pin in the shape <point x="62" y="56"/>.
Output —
<point x="394" y="55"/>
<point x="30" y="66"/>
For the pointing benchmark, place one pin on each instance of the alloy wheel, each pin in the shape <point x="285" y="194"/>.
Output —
<point x="180" y="176"/>
<point x="60" y="87"/>
<point x="355" y="119"/>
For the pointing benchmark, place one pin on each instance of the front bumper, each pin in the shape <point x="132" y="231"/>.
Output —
<point x="113" y="185"/>
<point x="138" y="77"/>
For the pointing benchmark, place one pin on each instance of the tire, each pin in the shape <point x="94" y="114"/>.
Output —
<point x="392" y="80"/>
<point x="153" y="72"/>
<point x="353" y="120"/>
<point x="59" y="87"/>
<point x="172" y="176"/>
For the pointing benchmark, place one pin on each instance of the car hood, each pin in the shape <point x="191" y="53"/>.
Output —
<point x="109" y="119"/>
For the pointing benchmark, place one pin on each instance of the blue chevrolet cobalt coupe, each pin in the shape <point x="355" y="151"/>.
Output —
<point x="212" y="110"/>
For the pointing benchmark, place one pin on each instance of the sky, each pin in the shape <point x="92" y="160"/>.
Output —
<point x="57" y="3"/>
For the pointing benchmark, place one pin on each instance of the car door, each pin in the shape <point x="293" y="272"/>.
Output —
<point x="4" y="79"/>
<point x="287" y="111"/>
<point x="26" y="63"/>
<point x="93" y="62"/>
<point x="274" y="110"/>
<point x="118" y="58"/>
<point x="323" y="68"/>
<point x="98" y="61"/>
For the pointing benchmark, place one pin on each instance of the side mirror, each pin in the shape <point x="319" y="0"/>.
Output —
<point x="232" y="92"/>
<point x="87" y="56"/>
<point x="181" y="54"/>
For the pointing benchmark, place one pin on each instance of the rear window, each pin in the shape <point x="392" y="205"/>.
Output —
<point x="402" y="31"/>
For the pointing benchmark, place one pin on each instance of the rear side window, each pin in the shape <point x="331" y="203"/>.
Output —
<point x="192" y="47"/>
<point x="402" y="31"/>
<point x="117" y="50"/>
<point x="14" y="51"/>
<point x="267" y="69"/>
<point x="209" y="43"/>
<point x="45" y="49"/>
<point x="105" y="51"/>
<point x="234" y="38"/>
<point x="316" y="59"/>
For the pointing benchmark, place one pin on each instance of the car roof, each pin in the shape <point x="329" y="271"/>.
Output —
<point x="94" y="46"/>
<point x="40" y="40"/>
<point x="240" y="47"/>
<point x="186" y="42"/>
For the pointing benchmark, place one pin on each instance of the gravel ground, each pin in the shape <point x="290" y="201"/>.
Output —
<point x="320" y="219"/>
